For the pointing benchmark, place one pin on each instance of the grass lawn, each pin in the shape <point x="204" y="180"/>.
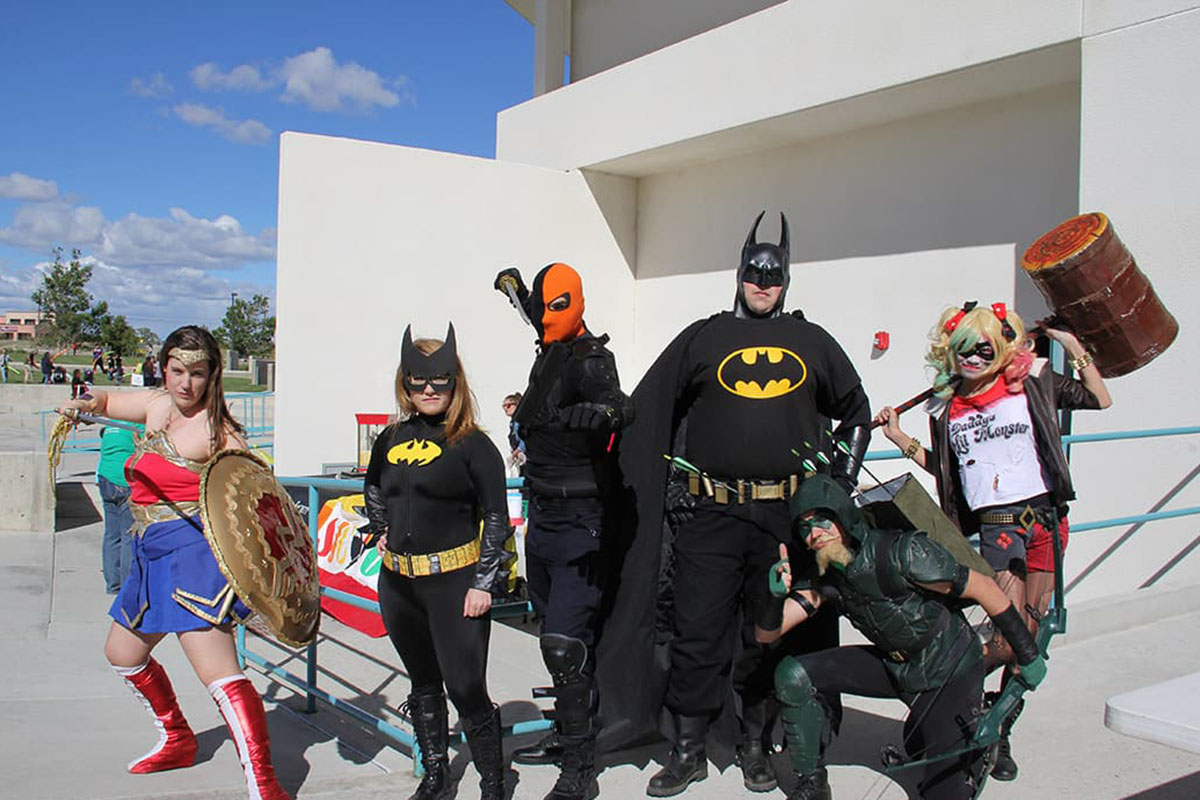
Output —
<point x="239" y="384"/>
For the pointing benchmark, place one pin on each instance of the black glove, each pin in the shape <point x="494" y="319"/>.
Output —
<point x="512" y="277"/>
<point x="1033" y="666"/>
<point x="491" y="551"/>
<point x="850" y="445"/>
<point x="377" y="516"/>
<point x="588" y="417"/>
<point x="679" y="504"/>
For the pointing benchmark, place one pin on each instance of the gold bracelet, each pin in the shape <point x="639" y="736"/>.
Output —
<point x="1083" y="362"/>
<point x="913" y="447"/>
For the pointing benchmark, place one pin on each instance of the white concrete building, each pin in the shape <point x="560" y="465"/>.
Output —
<point x="917" y="149"/>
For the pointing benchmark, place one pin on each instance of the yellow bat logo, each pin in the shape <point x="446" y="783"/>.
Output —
<point x="417" y="452"/>
<point x="760" y="373"/>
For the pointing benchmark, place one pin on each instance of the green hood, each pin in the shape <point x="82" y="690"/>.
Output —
<point x="821" y="491"/>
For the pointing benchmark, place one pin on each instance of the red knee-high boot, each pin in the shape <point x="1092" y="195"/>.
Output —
<point x="242" y="709"/>
<point x="176" y="743"/>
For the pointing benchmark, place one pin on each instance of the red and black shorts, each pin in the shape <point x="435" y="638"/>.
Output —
<point x="1023" y="545"/>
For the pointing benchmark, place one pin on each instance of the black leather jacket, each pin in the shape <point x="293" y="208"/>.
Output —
<point x="1046" y="391"/>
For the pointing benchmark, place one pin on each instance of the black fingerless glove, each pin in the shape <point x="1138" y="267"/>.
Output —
<point x="491" y="551"/>
<point x="377" y="516"/>
<point x="1010" y="624"/>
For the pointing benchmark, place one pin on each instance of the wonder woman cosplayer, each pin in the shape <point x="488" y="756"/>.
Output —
<point x="174" y="585"/>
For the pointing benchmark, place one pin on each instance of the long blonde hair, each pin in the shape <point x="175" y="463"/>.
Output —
<point x="461" y="414"/>
<point x="980" y="323"/>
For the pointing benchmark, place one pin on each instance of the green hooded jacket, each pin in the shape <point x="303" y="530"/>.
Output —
<point x="924" y="635"/>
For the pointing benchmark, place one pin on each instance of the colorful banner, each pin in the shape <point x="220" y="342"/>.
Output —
<point x="345" y="564"/>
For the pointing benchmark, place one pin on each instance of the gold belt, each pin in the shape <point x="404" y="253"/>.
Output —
<point x="144" y="516"/>
<point x="416" y="565"/>
<point x="740" y="491"/>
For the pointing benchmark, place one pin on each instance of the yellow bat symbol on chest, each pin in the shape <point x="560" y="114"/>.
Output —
<point x="417" y="452"/>
<point x="760" y="373"/>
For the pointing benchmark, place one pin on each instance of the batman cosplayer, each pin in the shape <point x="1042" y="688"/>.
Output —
<point x="433" y="478"/>
<point x="755" y="386"/>
<point x="570" y="416"/>
<point x="904" y="592"/>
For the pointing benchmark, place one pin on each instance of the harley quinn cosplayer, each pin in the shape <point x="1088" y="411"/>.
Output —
<point x="997" y="454"/>
<point x="175" y="585"/>
<point x="433" y="478"/>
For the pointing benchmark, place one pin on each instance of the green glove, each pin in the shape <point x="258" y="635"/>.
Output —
<point x="778" y="588"/>
<point x="1033" y="673"/>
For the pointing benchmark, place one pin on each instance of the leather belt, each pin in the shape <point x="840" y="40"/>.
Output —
<point x="417" y="565"/>
<point x="740" y="491"/>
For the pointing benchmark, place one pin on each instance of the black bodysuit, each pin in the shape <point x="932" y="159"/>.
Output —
<point x="435" y="496"/>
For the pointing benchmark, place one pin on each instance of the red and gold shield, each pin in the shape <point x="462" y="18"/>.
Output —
<point x="261" y="544"/>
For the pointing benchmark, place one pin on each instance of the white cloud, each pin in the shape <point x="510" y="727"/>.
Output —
<point x="137" y="241"/>
<point x="46" y="225"/>
<point x="317" y="80"/>
<point x="208" y="76"/>
<point x="156" y="86"/>
<point x="249" y="131"/>
<point x="161" y="298"/>
<point x="183" y="239"/>
<point x="20" y="186"/>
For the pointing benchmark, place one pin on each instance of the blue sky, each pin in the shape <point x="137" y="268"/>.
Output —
<point x="147" y="133"/>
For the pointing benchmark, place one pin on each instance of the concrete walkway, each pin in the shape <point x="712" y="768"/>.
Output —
<point x="68" y="726"/>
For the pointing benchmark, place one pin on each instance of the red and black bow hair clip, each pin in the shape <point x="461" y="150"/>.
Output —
<point x="999" y="309"/>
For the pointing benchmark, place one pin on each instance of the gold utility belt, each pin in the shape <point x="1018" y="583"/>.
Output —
<point x="144" y="516"/>
<point x="741" y="491"/>
<point x="417" y="565"/>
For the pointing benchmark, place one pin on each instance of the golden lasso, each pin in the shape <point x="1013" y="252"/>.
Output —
<point x="58" y="438"/>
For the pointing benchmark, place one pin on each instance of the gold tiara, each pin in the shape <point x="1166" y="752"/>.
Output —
<point x="187" y="357"/>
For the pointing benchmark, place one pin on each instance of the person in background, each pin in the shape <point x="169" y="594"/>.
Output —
<point x="47" y="367"/>
<point x="4" y="361"/>
<point x="116" y="446"/>
<point x="79" y="386"/>
<point x="515" y="442"/>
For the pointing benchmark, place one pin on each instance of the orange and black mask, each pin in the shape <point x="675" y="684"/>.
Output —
<point x="556" y="304"/>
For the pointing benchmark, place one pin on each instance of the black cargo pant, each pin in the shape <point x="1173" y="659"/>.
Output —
<point x="564" y="564"/>
<point x="722" y="557"/>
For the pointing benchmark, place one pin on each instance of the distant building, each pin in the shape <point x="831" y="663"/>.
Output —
<point x="21" y="325"/>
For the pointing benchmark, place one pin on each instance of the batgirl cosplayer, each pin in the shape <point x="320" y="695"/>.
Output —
<point x="175" y="585"/>
<point x="997" y="454"/>
<point x="433" y="477"/>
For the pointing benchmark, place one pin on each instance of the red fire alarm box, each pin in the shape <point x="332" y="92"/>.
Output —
<point x="882" y="340"/>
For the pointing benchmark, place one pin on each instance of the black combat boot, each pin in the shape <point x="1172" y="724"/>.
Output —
<point x="813" y="786"/>
<point x="757" y="774"/>
<point x="431" y="728"/>
<point x="1005" y="768"/>
<point x="688" y="761"/>
<point x="570" y="665"/>
<point x="484" y="737"/>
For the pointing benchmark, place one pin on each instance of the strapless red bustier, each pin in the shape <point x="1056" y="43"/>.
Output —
<point x="152" y="479"/>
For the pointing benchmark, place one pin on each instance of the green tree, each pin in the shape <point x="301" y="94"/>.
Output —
<point x="64" y="294"/>
<point x="116" y="335"/>
<point x="248" y="327"/>
<point x="148" y="340"/>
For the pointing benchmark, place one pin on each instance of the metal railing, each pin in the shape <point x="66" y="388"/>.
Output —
<point x="308" y="683"/>
<point x="1111" y="436"/>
